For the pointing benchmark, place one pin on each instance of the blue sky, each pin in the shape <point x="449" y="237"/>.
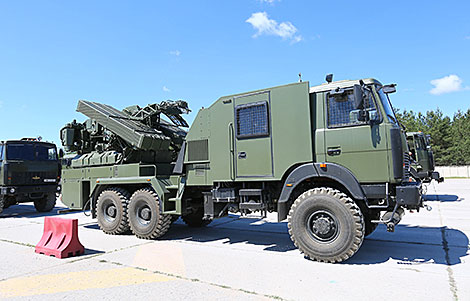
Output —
<point x="53" y="53"/>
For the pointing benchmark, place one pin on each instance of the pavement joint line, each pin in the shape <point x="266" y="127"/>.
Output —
<point x="280" y="253"/>
<point x="370" y="239"/>
<point x="257" y="231"/>
<point x="445" y="246"/>
<point x="80" y="258"/>
<point x="224" y="223"/>
<point x="196" y="280"/>
<point x="416" y="243"/>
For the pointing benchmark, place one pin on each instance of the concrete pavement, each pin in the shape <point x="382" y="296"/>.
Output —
<point x="235" y="258"/>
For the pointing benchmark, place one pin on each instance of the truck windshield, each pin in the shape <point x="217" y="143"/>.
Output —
<point x="386" y="104"/>
<point x="420" y="143"/>
<point x="31" y="152"/>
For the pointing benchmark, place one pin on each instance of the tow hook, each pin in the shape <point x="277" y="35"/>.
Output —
<point x="392" y="218"/>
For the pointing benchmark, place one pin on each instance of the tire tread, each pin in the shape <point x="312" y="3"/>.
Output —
<point x="353" y="208"/>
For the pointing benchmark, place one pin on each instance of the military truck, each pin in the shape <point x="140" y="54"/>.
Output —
<point x="331" y="159"/>
<point x="422" y="159"/>
<point x="29" y="172"/>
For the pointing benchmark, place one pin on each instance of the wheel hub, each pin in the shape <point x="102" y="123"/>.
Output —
<point x="322" y="226"/>
<point x="145" y="214"/>
<point x="111" y="211"/>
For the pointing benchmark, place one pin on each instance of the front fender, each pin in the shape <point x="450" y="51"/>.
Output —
<point x="330" y="171"/>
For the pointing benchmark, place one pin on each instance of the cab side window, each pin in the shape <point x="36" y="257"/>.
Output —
<point x="1" y="152"/>
<point x="252" y="120"/>
<point x="342" y="111"/>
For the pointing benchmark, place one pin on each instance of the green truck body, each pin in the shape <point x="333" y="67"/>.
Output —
<point x="29" y="172"/>
<point x="422" y="158"/>
<point x="331" y="159"/>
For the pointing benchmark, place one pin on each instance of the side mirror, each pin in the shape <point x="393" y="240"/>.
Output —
<point x="363" y="116"/>
<point x="61" y="153"/>
<point x="388" y="89"/>
<point x="358" y="97"/>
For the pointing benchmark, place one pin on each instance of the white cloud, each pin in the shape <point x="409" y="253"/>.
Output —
<point x="263" y="25"/>
<point x="447" y="84"/>
<point x="268" y="1"/>
<point x="175" y="52"/>
<point x="164" y="88"/>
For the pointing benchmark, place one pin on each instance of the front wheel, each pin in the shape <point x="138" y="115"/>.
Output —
<point x="46" y="203"/>
<point x="326" y="225"/>
<point x="145" y="219"/>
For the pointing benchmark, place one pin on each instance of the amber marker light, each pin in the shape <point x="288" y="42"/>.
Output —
<point x="323" y="165"/>
<point x="289" y="185"/>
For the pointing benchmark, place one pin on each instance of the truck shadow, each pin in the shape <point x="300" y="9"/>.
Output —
<point x="235" y="230"/>
<point x="409" y="245"/>
<point x="442" y="198"/>
<point x="28" y="210"/>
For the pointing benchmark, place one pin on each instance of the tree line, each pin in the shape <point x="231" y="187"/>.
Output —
<point x="450" y="137"/>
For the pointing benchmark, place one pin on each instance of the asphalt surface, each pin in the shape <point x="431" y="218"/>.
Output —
<point x="244" y="258"/>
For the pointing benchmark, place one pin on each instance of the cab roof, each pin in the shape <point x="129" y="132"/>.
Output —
<point x="342" y="84"/>
<point x="27" y="141"/>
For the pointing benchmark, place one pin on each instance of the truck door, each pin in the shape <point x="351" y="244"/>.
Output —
<point x="253" y="145"/>
<point x="360" y="146"/>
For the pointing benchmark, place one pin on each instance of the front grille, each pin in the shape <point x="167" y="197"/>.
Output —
<point x="31" y="178"/>
<point x="406" y="166"/>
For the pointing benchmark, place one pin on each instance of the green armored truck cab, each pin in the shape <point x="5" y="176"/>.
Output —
<point x="422" y="158"/>
<point x="331" y="159"/>
<point x="29" y="172"/>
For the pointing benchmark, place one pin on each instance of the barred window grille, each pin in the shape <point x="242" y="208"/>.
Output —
<point x="344" y="113"/>
<point x="252" y="120"/>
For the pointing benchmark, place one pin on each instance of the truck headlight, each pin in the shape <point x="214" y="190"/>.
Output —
<point x="12" y="190"/>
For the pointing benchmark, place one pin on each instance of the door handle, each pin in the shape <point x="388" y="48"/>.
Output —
<point x="241" y="155"/>
<point x="334" y="151"/>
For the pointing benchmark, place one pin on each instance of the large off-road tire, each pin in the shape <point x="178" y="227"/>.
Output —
<point x="194" y="219"/>
<point x="111" y="210"/>
<point x="370" y="227"/>
<point x="46" y="203"/>
<point x="2" y="202"/>
<point x="145" y="219"/>
<point x="326" y="225"/>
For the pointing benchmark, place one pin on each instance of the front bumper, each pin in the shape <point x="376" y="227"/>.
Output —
<point x="436" y="176"/>
<point x="28" y="189"/>
<point x="409" y="195"/>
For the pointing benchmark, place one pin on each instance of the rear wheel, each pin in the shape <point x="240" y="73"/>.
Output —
<point x="326" y="225"/>
<point x="111" y="211"/>
<point x="145" y="219"/>
<point x="195" y="218"/>
<point x="2" y="202"/>
<point x="45" y="204"/>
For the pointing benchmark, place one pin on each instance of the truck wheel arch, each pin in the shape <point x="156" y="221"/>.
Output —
<point x="318" y="171"/>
